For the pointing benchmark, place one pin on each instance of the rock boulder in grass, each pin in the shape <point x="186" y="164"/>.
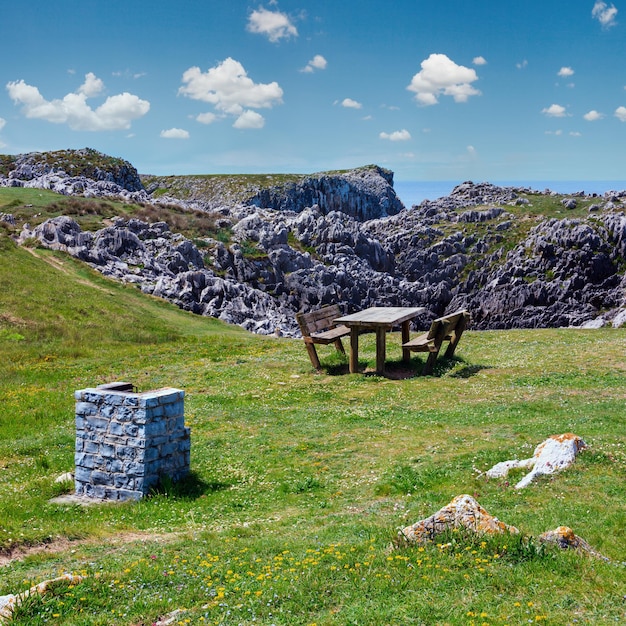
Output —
<point x="565" y="538"/>
<point x="463" y="512"/>
<point x="9" y="603"/>
<point x="556" y="453"/>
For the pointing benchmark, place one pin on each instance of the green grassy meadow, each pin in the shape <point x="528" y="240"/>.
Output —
<point x="301" y="480"/>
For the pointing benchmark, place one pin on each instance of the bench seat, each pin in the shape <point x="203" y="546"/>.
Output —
<point x="318" y="327"/>
<point x="447" y="328"/>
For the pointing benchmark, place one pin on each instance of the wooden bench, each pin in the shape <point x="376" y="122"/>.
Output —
<point x="318" y="327"/>
<point x="447" y="328"/>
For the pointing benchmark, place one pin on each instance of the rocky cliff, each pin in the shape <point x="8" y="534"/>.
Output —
<point x="514" y="257"/>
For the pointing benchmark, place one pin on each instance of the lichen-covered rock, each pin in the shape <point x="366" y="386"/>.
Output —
<point x="554" y="454"/>
<point x="565" y="538"/>
<point x="10" y="602"/>
<point x="463" y="512"/>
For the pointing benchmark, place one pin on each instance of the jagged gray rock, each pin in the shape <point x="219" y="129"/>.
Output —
<point x="443" y="255"/>
<point x="364" y="193"/>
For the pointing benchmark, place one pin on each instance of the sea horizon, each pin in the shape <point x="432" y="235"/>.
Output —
<point x="413" y="192"/>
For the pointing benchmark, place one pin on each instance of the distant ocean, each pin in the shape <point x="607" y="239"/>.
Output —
<point x="414" y="191"/>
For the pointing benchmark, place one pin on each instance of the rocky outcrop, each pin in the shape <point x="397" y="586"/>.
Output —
<point x="463" y="512"/>
<point x="364" y="193"/>
<point x="85" y="172"/>
<point x="292" y="250"/>
<point x="563" y="274"/>
<point x="88" y="164"/>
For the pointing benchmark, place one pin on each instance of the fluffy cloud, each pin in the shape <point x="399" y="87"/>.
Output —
<point x="175" y="133"/>
<point x="318" y="62"/>
<point x="249" y="120"/>
<point x="231" y="91"/>
<point x="273" y="24"/>
<point x="92" y="86"/>
<point x="398" y="135"/>
<point x="604" y="13"/>
<point x="206" y="118"/>
<point x="522" y="65"/>
<point x="555" y="110"/>
<point x="441" y="76"/>
<point x="592" y="116"/>
<point x="349" y="103"/>
<point x="115" y="113"/>
<point x="564" y="72"/>
<point x="2" y="123"/>
<point x="479" y="61"/>
<point x="620" y="114"/>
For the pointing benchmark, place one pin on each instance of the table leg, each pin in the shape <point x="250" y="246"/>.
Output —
<point x="406" y="354"/>
<point x="354" y="350"/>
<point x="381" y="335"/>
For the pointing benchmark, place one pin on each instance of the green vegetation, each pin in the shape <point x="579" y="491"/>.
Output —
<point x="34" y="206"/>
<point x="300" y="480"/>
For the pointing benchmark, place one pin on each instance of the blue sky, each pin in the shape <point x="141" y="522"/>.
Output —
<point x="434" y="90"/>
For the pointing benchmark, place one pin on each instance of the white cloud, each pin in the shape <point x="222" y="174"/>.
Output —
<point x="92" y="86"/>
<point x="471" y="151"/>
<point x="2" y="123"/>
<point x="115" y="113"/>
<point x="522" y="65"/>
<point x="555" y="110"/>
<point x="593" y="116"/>
<point x="397" y="135"/>
<point x="206" y="118"/>
<point x="565" y="72"/>
<point x="349" y="103"/>
<point x="175" y="133"/>
<point x="318" y="62"/>
<point x="228" y="87"/>
<point x="479" y="61"/>
<point x="273" y="24"/>
<point x="604" y="13"/>
<point x="249" y="120"/>
<point x="575" y="133"/>
<point x="441" y="76"/>
<point x="558" y="133"/>
<point x="620" y="114"/>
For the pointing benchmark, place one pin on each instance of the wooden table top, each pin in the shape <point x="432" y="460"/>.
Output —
<point x="381" y="316"/>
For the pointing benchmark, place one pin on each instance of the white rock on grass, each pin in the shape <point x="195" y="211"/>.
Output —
<point x="556" y="453"/>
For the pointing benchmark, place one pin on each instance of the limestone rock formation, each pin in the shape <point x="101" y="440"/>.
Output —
<point x="463" y="512"/>
<point x="72" y="172"/>
<point x="364" y="193"/>
<point x="565" y="538"/>
<point x="300" y="242"/>
<point x="554" y="454"/>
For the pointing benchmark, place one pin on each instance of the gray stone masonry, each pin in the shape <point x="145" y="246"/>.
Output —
<point x="126" y="441"/>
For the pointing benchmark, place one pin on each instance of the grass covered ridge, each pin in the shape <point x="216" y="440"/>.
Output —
<point x="301" y="480"/>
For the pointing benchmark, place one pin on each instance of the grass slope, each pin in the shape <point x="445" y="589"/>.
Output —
<point x="301" y="479"/>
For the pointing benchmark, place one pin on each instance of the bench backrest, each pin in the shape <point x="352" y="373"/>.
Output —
<point x="318" y="321"/>
<point x="442" y="327"/>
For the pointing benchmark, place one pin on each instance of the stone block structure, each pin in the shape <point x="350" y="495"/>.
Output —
<point x="127" y="441"/>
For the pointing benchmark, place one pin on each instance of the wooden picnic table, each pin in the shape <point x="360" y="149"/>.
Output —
<point x="380" y="319"/>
